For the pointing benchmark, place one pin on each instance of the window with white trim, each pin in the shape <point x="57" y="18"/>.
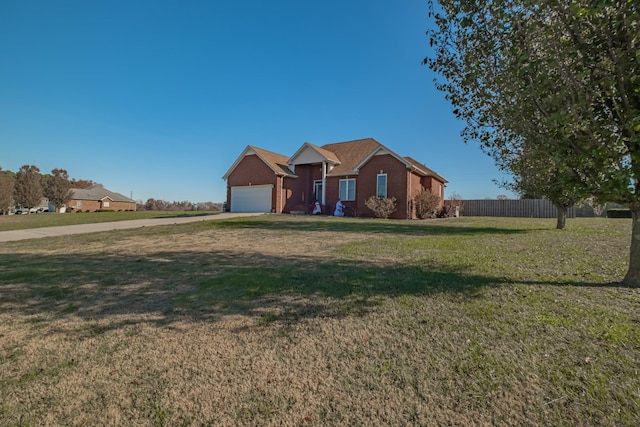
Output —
<point x="381" y="187"/>
<point x="317" y="191"/>
<point x="347" y="189"/>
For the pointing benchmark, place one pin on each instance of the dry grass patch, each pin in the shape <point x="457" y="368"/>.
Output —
<point x="284" y="320"/>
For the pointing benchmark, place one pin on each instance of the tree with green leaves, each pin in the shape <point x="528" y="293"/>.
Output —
<point x="562" y="77"/>
<point x="57" y="188"/>
<point x="28" y="188"/>
<point x="540" y="175"/>
<point x="7" y="183"/>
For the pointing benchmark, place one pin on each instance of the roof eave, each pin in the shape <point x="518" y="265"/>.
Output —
<point x="243" y="155"/>
<point x="373" y="154"/>
<point x="334" y="162"/>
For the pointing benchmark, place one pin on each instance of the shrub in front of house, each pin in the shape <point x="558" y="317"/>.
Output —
<point x="426" y="203"/>
<point x="381" y="207"/>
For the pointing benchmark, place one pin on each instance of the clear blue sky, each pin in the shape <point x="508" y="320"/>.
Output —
<point x="158" y="98"/>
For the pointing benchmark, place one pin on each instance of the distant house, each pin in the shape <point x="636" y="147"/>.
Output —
<point x="98" y="198"/>
<point x="352" y="171"/>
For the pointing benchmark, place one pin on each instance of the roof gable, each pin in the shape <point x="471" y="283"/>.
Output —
<point x="380" y="150"/>
<point x="344" y="158"/>
<point x="276" y="162"/>
<point x="426" y="171"/>
<point x="309" y="153"/>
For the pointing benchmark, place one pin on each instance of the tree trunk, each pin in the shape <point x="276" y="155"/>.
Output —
<point x="562" y="217"/>
<point x="632" y="278"/>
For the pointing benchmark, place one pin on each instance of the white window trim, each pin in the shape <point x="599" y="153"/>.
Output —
<point x="319" y="197"/>
<point x="348" y="197"/>
<point x="386" y="186"/>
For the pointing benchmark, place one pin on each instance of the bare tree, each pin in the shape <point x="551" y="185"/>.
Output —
<point x="455" y="204"/>
<point x="426" y="203"/>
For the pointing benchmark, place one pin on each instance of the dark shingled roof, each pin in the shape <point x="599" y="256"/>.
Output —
<point x="275" y="161"/>
<point x="351" y="154"/>
<point x="97" y="192"/>
<point x="423" y="167"/>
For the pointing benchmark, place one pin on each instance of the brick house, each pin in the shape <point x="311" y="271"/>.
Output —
<point x="98" y="198"/>
<point x="352" y="171"/>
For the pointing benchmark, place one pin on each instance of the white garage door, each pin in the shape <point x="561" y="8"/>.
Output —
<point x="253" y="198"/>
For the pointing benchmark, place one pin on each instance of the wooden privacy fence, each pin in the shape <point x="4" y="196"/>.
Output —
<point x="528" y="208"/>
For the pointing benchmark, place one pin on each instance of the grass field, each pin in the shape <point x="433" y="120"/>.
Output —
<point x="22" y="222"/>
<point x="293" y="320"/>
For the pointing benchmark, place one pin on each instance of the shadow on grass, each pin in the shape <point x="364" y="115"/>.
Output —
<point x="187" y="214"/>
<point x="203" y="286"/>
<point x="356" y="225"/>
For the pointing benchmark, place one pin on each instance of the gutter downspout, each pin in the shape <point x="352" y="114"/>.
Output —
<point x="324" y="182"/>
<point x="281" y="194"/>
<point x="409" y="206"/>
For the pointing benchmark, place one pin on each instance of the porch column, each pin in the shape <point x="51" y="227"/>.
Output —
<point x="324" y="183"/>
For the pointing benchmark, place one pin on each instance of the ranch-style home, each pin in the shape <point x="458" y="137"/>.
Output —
<point x="352" y="171"/>
<point x="98" y="198"/>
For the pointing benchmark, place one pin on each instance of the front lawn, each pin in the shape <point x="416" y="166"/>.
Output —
<point x="295" y="320"/>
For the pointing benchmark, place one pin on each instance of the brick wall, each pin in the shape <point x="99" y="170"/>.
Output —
<point x="253" y="171"/>
<point x="396" y="184"/>
<point x="94" y="205"/>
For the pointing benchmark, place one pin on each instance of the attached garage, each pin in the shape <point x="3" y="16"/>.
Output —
<point x="251" y="198"/>
<point x="255" y="181"/>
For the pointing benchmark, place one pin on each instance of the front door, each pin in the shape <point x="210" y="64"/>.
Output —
<point x="317" y="191"/>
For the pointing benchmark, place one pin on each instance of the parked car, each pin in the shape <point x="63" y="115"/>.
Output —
<point x="24" y="211"/>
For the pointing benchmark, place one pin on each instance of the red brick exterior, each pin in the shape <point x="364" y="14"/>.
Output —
<point x="253" y="171"/>
<point x="296" y="193"/>
<point x="401" y="184"/>
<point x="301" y="188"/>
<point x="94" y="205"/>
<point x="397" y="177"/>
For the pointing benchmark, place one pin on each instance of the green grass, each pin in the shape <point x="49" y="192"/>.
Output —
<point x="22" y="222"/>
<point x="323" y="321"/>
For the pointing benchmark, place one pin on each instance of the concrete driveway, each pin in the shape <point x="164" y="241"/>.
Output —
<point x="38" y="233"/>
